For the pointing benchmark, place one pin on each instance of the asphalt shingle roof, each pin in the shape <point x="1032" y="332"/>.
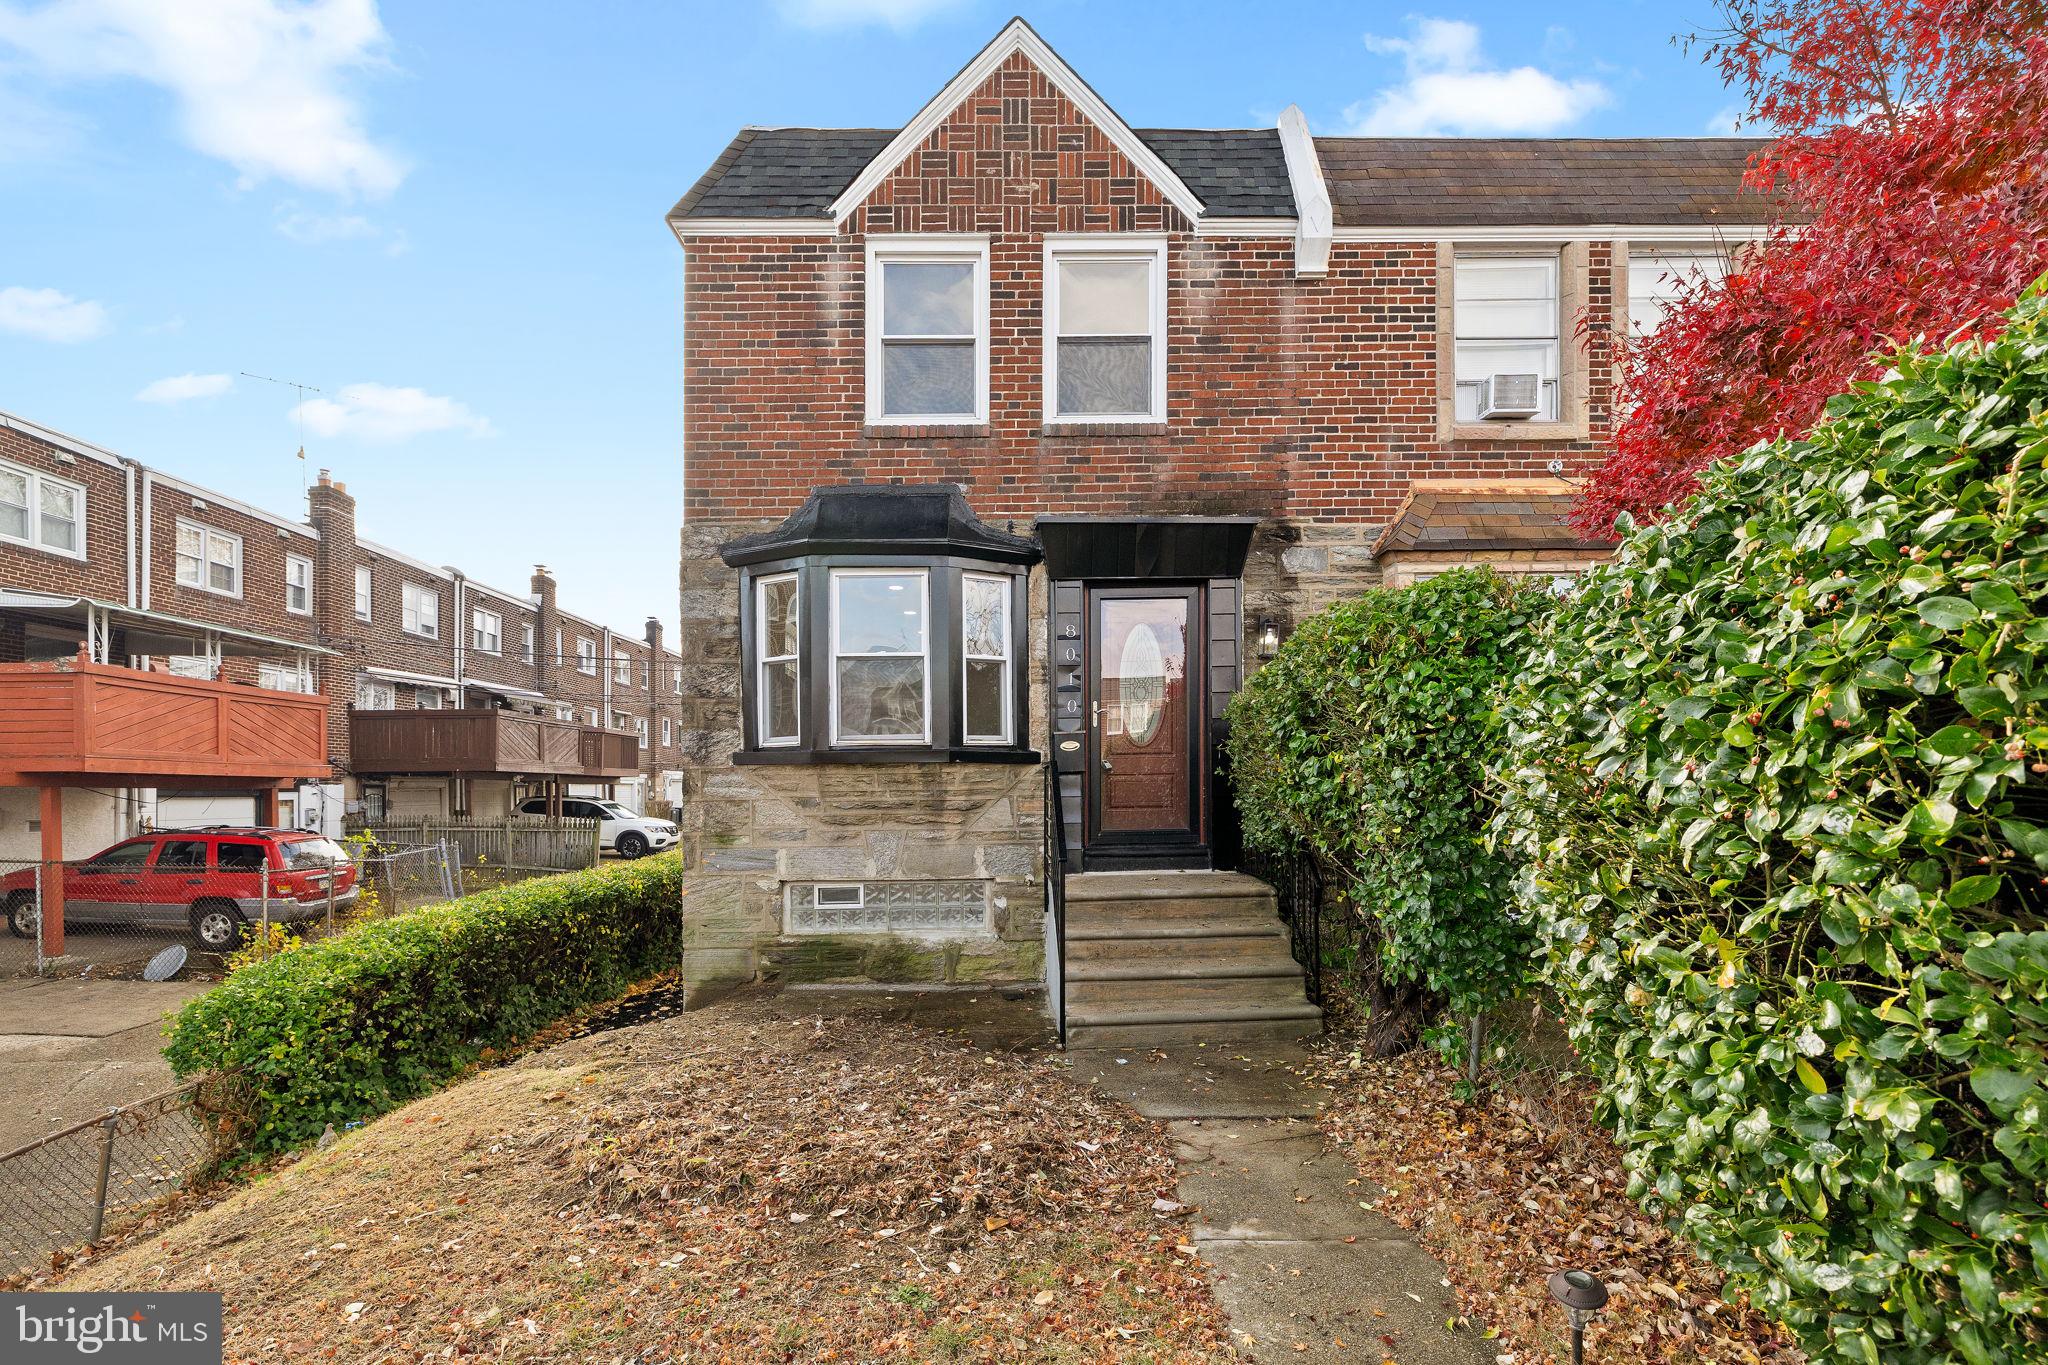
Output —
<point x="1461" y="182"/>
<point x="798" y="172"/>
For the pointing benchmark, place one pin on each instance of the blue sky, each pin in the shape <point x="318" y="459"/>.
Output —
<point x="447" y="214"/>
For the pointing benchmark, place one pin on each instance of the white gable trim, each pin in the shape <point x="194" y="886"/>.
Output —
<point x="1017" y="36"/>
<point x="1311" y="196"/>
<point x="1547" y="235"/>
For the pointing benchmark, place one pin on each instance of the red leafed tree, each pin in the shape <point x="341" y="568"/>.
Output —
<point x="1911" y="155"/>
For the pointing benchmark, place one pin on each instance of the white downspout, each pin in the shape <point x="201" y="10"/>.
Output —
<point x="129" y="471"/>
<point x="148" y="516"/>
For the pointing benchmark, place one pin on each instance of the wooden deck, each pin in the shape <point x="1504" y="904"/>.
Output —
<point x="101" y="722"/>
<point x="479" y="742"/>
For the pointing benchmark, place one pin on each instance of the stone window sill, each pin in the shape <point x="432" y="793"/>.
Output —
<point x="856" y="757"/>
<point x="1514" y="431"/>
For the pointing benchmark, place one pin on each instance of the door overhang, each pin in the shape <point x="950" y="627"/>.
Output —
<point x="1138" y="548"/>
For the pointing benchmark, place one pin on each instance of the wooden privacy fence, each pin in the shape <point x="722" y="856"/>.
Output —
<point x="530" y="842"/>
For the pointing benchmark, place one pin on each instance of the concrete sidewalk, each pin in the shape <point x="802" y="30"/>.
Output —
<point x="1305" y="1270"/>
<point x="70" y="1050"/>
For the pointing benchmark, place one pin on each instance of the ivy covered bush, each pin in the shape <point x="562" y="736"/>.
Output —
<point x="1780" y="780"/>
<point x="1365" y="742"/>
<point x="350" y="1026"/>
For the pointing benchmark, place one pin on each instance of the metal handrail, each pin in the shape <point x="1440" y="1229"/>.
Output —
<point x="1056" y="895"/>
<point x="1297" y="882"/>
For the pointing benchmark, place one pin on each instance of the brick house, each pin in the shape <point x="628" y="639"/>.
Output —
<point x="151" y="571"/>
<point x="1013" y="436"/>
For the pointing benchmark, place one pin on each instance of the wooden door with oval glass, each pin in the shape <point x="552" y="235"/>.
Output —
<point x="1144" y="769"/>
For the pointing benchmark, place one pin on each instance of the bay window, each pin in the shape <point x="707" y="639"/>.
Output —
<point x="927" y="330"/>
<point x="1105" y="344"/>
<point x="883" y="624"/>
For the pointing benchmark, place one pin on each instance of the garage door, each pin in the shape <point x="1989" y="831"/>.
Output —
<point x="182" y="810"/>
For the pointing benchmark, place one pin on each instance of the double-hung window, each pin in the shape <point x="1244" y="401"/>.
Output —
<point x="363" y="593"/>
<point x="298" y="585"/>
<point x="486" y="631"/>
<point x="881" y="682"/>
<point x="668" y="732"/>
<point x="1506" y="314"/>
<point x="1657" y="278"/>
<point x="41" y="512"/>
<point x="1105" y="324"/>
<point x="985" y="689"/>
<point x="586" y="657"/>
<point x="622" y="669"/>
<point x="776" y="620"/>
<point x="422" y="611"/>
<point x="927" y="330"/>
<point x="526" y="642"/>
<point x="208" y="559"/>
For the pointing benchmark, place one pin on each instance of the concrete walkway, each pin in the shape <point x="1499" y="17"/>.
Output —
<point x="70" y="1050"/>
<point x="1305" y="1272"/>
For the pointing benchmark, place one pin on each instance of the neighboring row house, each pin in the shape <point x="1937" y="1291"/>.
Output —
<point x="1016" y="435"/>
<point x="445" y="695"/>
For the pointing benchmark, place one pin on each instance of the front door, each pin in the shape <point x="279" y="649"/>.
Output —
<point x="1145" y="765"/>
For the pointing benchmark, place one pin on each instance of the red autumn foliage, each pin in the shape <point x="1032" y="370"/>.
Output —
<point x="1909" y="155"/>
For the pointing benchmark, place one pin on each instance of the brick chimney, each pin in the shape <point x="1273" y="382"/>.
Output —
<point x="654" y="636"/>
<point x="332" y="512"/>
<point x="546" y="627"/>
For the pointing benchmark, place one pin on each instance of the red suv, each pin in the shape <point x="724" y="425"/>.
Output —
<point x="210" y="879"/>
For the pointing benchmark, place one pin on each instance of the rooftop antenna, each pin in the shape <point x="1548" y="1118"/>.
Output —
<point x="299" y="409"/>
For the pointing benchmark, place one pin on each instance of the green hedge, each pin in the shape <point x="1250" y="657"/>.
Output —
<point x="1366" y="741"/>
<point x="1779" y="786"/>
<point x="350" y="1026"/>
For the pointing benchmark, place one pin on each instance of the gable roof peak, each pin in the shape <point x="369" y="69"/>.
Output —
<point x="1016" y="37"/>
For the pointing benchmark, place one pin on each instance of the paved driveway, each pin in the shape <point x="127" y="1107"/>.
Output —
<point x="72" y="1049"/>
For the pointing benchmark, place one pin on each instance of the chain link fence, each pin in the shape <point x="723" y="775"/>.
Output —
<point x="69" y="1187"/>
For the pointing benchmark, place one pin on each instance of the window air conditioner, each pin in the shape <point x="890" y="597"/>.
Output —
<point x="1514" y="396"/>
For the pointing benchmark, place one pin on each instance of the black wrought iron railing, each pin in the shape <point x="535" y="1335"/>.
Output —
<point x="1055" y="903"/>
<point x="1297" y="882"/>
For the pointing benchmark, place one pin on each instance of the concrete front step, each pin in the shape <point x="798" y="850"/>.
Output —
<point x="1168" y="951"/>
<point x="1088" y="922"/>
<point x="1120" y="1026"/>
<point x="1168" y="886"/>
<point x="1143" y="961"/>
<point x="1197" y="994"/>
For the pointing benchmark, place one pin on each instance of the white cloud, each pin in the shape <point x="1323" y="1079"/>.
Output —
<point x="377" y="412"/>
<point x="897" y="14"/>
<point x="181" y="387"/>
<point x="319" y="229"/>
<point x="263" y="85"/>
<point x="1451" y="88"/>
<point x="48" y="315"/>
<point x="1726" y="123"/>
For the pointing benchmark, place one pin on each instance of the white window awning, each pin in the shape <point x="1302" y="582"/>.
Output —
<point x="152" y="632"/>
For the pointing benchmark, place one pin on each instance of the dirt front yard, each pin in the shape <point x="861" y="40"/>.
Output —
<point x="743" y="1183"/>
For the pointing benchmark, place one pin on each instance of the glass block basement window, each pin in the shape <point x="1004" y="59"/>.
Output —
<point x="955" y="907"/>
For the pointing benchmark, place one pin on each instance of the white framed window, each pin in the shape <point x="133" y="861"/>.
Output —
<point x="567" y="713"/>
<point x="668" y="732"/>
<point x="526" y="645"/>
<point x="362" y="592"/>
<point x="1655" y="278"/>
<point x="486" y="631"/>
<point x="927" y="330"/>
<point x="373" y="694"/>
<point x="850" y="896"/>
<point x="422" y="611"/>
<point x="646" y="676"/>
<point x="209" y="560"/>
<point x="881" y="678"/>
<point x="622" y="669"/>
<point x="427" y="699"/>
<point x="192" y="666"/>
<point x="298" y="585"/>
<point x="676" y="680"/>
<point x="41" y="512"/>
<point x="640" y="728"/>
<point x="1105" y="329"/>
<point x="592" y="714"/>
<point x="985" y="690"/>
<point x="1505" y="316"/>
<point x="282" y="678"/>
<point x="777" y="617"/>
<point x="586" y="658"/>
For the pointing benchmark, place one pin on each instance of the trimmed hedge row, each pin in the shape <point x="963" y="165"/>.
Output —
<point x="354" y="1025"/>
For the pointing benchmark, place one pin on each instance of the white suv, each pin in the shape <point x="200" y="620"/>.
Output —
<point x="625" y="832"/>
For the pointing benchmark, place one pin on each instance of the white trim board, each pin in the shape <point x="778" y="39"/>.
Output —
<point x="61" y="441"/>
<point x="1017" y="36"/>
<point x="211" y="498"/>
<point x="686" y="228"/>
<point x="1245" y="227"/>
<point x="1311" y="194"/>
<point x="1554" y="235"/>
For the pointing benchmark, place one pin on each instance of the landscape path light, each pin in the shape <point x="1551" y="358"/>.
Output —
<point x="1582" y="1295"/>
